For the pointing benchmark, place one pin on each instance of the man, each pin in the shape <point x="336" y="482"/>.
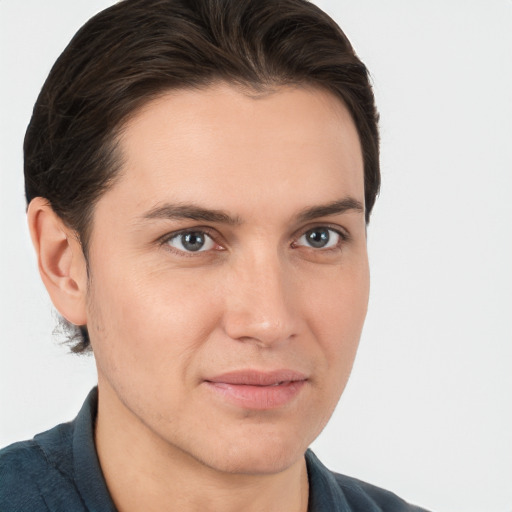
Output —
<point x="200" y="176"/>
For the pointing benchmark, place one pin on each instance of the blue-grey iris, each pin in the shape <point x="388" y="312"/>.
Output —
<point x="193" y="241"/>
<point x="318" y="237"/>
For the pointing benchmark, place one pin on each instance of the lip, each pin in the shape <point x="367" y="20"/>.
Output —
<point x="258" y="390"/>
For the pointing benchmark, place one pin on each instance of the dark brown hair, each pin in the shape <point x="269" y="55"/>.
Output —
<point x="133" y="51"/>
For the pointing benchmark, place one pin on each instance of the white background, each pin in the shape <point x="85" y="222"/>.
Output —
<point x="427" y="413"/>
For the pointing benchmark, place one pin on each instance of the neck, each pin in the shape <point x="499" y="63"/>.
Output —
<point x="145" y="472"/>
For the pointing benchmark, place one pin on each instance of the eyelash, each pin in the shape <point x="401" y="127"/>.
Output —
<point x="164" y="241"/>
<point x="343" y="237"/>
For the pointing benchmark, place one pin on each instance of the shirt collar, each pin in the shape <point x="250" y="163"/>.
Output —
<point x="325" y="495"/>
<point x="87" y="471"/>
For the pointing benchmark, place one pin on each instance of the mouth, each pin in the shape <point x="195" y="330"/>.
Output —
<point x="258" y="390"/>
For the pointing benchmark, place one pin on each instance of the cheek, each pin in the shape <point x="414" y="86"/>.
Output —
<point x="339" y="301"/>
<point x="337" y="311"/>
<point x="148" y="322"/>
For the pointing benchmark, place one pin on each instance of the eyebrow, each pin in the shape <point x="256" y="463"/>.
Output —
<point x="194" y="212"/>
<point x="334" y="208"/>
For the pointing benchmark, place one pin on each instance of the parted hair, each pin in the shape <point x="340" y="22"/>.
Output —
<point x="136" y="50"/>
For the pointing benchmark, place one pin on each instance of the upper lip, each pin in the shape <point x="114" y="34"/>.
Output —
<point x="257" y="377"/>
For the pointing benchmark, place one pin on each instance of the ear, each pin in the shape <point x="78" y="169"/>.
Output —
<point x="60" y="259"/>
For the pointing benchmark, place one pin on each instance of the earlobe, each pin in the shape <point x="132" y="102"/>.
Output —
<point x="61" y="261"/>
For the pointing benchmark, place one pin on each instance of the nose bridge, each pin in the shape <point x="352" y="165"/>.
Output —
<point x="260" y="304"/>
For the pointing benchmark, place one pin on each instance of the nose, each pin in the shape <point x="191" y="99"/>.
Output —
<point x="261" y="302"/>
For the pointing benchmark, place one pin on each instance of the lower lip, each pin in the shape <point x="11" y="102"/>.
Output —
<point x="258" y="397"/>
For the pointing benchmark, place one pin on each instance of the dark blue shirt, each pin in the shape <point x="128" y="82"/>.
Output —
<point x="59" y="471"/>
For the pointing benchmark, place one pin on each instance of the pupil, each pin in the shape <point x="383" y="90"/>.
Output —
<point x="318" y="237"/>
<point x="193" y="241"/>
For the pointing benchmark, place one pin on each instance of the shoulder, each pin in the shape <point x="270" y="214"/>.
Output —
<point x="331" y="491"/>
<point x="21" y="465"/>
<point x="30" y="470"/>
<point x="364" y="496"/>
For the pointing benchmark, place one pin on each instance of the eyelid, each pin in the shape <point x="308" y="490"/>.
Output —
<point x="211" y="233"/>
<point x="342" y="232"/>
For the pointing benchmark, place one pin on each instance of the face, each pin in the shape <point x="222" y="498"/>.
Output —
<point x="229" y="275"/>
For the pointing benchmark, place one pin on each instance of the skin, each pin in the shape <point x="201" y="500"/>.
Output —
<point x="162" y="320"/>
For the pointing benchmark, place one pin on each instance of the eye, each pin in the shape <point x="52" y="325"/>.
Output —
<point x="191" y="241"/>
<point x="320" y="238"/>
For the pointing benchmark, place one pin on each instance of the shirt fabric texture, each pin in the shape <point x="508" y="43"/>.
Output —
<point x="59" y="471"/>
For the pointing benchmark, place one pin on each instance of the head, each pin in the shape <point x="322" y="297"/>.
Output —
<point x="212" y="165"/>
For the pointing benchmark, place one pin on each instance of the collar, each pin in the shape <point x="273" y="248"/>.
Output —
<point x="86" y="466"/>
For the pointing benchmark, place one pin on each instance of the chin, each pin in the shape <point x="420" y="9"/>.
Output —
<point x="256" y="456"/>
<point x="255" y="463"/>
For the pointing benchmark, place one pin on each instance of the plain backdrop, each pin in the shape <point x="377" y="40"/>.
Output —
<point x="427" y="412"/>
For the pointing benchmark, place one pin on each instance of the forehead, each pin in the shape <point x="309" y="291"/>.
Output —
<point x="196" y="144"/>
